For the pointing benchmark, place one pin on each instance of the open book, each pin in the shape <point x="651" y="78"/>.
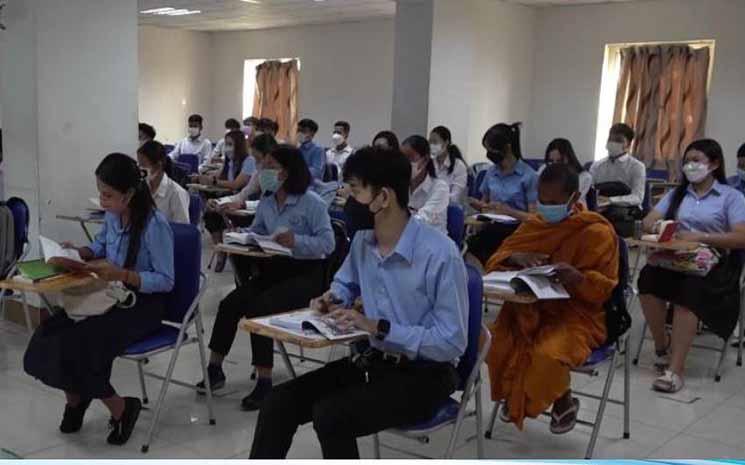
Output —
<point x="55" y="254"/>
<point x="265" y="243"/>
<point x="667" y="230"/>
<point x="537" y="280"/>
<point x="312" y="322"/>
<point x="495" y="218"/>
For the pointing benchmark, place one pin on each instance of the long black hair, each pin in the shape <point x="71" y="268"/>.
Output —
<point x="500" y="135"/>
<point x="714" y="153"/>
<point x="298" y="175"/>
<point x="155" y="153"/>
<point x="421" y="146"/>
<point x="121" y="173"/>
<point x="240" y="152"/>
<point x="564" y="147"/>
<point x="453" y="150"/>
<point x="264" y="143"/>
<point x="389" y="137"/>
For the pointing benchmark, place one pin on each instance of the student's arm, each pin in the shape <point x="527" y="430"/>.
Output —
<point x="436" y="206"/>
<point x="321" y="239"/>
<point x="316" y="164"/>
<point x="638" y="186"/>
<point x="732" y="239"/>
<point x="346" y="283"/>
<point x="259" y="224"/>
<point x="598" y="265"/>
<point x="658" y="213"/>
<point x="460" y="183"/>
<point x="530" y="189"/>
<point x="158" y="240"/>
<point x="206" y="151"/>
<point x="176" y="151"/>
<point x="248" y="168"/>
<point x="178" y="211"/>
<point x="97" y="249"/>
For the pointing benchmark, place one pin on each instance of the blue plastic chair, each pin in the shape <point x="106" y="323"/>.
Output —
<point x="21" y="220"/>
<point x="661" y="175"/>
<point x="169" y="148"/>
<point x="592" y="199"/>
<point x="182" y="313"/>
<point x="195" y="208"/>
<point x="534" y="163"/>
<point x="456" y="224"/>
<point x="191" y="160"/>
<point x="454" y="412"/>
<point x="476" y="192"/>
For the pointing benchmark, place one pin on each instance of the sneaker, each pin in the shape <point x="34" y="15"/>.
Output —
<point x="122" y="428"/>
<point x="72" y="419"/>
<point x="661" y="361"/>
<point x="217" y="379"/>
<point x="253" y="401"/>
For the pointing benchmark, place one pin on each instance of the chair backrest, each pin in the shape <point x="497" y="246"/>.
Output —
<point x="21" y="218"/>
<point x="331" y="172"/>
<point x="476" y="192"/>
<point x="647" y="202"/>
<point x="169" y="148"/>
<point x="534" y="163"/>
<point x="195" y="208"/>
<point x="191" y="160"/>
<point x="456" y="224"/>
<point x="662" y="175"/>
<point x="341" y="249"/>
<point x="180" y="173"/>
<point x="592" y="199"/>
<point x="475" y="298"/>
<point x="187" y="262"/>
<point x="617" y="317"/>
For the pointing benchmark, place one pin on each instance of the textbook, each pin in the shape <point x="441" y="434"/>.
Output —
<point x="536" y="280"/>
<point x="310" y="321"/>
<point x="667" y="232"/>
<point x="265" y="243"/>
<point x="55" y="254"/>
<point x="495" y="218"/>
<point x="38" y="270"/>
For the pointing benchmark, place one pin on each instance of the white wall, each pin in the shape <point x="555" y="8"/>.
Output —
<point x="482" y="68"/>
<point x="569" y="58"/>
<point x="175" y="80"/>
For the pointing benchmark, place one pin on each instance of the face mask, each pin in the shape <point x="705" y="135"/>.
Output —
<point x="436" y="150"/>
<point x="741" y="173"/>
<point x="615" y="149"/>
<point x="382" y="145"/>
<point x="359" y="214"/>
<point x="269" y="180"/>
<point x="229" y="151"/>
<point x="301" y="138"/>
<point x="193" y="132"/>
<point x="247" y="130"/>
<point x="495" y="157"/>
<point x="696" y="172"/>
<point x="553" y="213"/>
<point x="337" y="138"/>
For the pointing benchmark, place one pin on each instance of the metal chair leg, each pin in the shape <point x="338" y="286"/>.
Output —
<point x="26" y="313"/>
<point x="601" y="406"/>
<point x="479" y="424"/>
<point x="641" y="343"/>
<point x="741" y="333"/>
<point x="627" y="389"/>
<point x="143" y="388"/>
<point x="492" y="420"/>
<point x="286" y="358"/>
<point x="203" y="360"/>
<point x="722" y="356"/>
<point x="161" y="398"/>
<point x="376" y="445"/>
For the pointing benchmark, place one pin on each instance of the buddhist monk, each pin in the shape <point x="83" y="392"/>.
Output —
<point x="536" y="345"/>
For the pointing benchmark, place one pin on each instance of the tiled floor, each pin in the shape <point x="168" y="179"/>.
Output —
<point x="703" y="421"/>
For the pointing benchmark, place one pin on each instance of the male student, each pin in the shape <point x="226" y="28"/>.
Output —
<point x="412" y="282"/>
<point x="312" y="152"/>
<point x="146" y="134"/>
<point x="218" y="154"/>
<point x="340" y="149"/>
<point x="620" y="180"/>
<point x="738" y="181"/>
<point x="249" y="125"/>
<point x="193" y="143"/>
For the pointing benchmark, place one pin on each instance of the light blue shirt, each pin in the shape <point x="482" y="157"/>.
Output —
<point x="155" y="258"/>
<point x="518" y="189"/>
<point x="737" y="182"/>
<point x="717" y="211"/>
<point x="248" y="168"/>
<point x="315" y="158"/>
<point x="326" y="190"/>
<point x="421" y="288"/>
<point x="305" y="215"/>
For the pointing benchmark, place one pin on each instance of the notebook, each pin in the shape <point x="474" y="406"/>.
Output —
<point x="537" y="280"/>
<point x="310" y="322"/>
<point x="495" y="218"/>
<point x="39" y="270"/>
<point x="55" y="254"/>
<point x="265" y="243"/>
<point x="668" y="229"/>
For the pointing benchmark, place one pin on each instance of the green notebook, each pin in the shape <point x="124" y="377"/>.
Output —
<point x="37" y="270"/>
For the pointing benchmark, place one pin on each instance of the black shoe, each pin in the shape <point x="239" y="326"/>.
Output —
<point x="217" y="379"/>
<point x="222" y="257"/>
<point x="72" y="419"/>
<point x="253" y="401"/>
<point x="122" y="428"/>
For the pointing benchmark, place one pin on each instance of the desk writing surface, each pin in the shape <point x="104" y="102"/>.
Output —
<point x="255" y="326"/>
<point x="51" y="285"/>
<point x="676" y="245"/>
<point x="85" y="217"/>
<point x="522" y="298"/>
<point x="208" y="189"/>
<point x="246" y="251"/>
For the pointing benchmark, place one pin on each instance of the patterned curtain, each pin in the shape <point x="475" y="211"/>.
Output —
<point x="662" y="95"/>
<point x="276" y="95"/>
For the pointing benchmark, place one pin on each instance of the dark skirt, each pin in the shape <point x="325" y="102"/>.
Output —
<point x="77" y="357"/>
<point x="483" y="244"/>
<point x="215" y="222"/>
<point x="714" y="298"/>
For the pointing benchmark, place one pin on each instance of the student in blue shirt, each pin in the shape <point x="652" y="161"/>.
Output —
<point x="299" y="220"/>
<point x="313" y="153"/>
<point x="738" y="181"/>
<point x="412" y="284"/>
<point x="711" y="213"/>
<point x="136" y="248"/>
<point x="510" y="187"/>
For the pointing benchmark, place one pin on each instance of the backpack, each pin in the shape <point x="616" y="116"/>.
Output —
<point x="617" y="317"/>
<point x="7" y="240"/>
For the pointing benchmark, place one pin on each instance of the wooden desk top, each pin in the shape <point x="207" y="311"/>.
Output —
<point x="83" y="218"/>
<point x="242" y="213"/>
<point x="246" y="251"/>
<point x="309" y="342"/>
<point x="208" y="189"/>
<point x="670" y="245"/>
<point x="514" y="298"/>
<point x="51" y="285"/>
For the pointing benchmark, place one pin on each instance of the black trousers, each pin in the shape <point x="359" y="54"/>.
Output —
<point x="280" y="285"/>
<point x="343" y="406"/>
<point x="214" y="221"/>
<point x="483" y="244"/>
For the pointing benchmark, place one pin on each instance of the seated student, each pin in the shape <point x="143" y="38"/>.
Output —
<point x="430" y="196"/>
<point x="312" y="152"/>
<point x="625" y="173"/>
<point x="170" y="198"/>
<point x="261" y="146"/>
<point x="449" y="164"/>
<point x="561" y="151"/>
<point x="340" y="149"/>
<point x="249" y="126"/>
<point x="534" y="346"/>
<point x="301" y="222"/>
<point x="709" y="212"/>
<point x="738" y="181"/>
<point x="218" y="153"/>
<point x="137" y="244"/>
<point x="412" y="283"/>
<point x="146" y="134"/>
<point x="194" y="143"/>
<point x="386" y="140"/>
<point x="510" y="187"/>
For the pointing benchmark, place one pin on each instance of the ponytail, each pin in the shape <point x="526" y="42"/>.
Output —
<point x="515" y="142"/>
<point x="500" y="135"/>
<point x="454" y="152"/>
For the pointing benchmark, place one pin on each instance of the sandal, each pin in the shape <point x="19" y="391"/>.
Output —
<point x="669" y="383"/>
<point x="565" y="421"/>
<point x="662" y="357"/>
<point x="504" y="413"/>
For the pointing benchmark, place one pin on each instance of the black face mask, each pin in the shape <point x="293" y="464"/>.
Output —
<point x="358" y="215"/>
<point x="495" y="157"/>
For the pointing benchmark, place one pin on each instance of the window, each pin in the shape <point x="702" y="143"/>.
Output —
<point x="249" y="81"/>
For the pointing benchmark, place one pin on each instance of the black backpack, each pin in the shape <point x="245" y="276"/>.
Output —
<point x="617" y="317"/>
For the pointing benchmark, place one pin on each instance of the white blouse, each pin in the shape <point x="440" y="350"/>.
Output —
<point x="430" y="201"/>
<point x="457" y="181"/>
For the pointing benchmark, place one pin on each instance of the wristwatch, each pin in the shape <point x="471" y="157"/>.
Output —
<point x="384" y="327"/>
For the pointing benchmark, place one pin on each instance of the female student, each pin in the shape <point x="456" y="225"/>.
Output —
<point x="136" y="245"/>
<point x="299" y="220"/>
<point x="708" y="212"/>
<point x="386" y="140"/>
<point x="510" y="187"/>
<point x="261" y="146"/>
<point x="561" y="151"/>
<point x="430" y="196"/>
<point x="449" y="163"/>
<point x="170" y="198"/>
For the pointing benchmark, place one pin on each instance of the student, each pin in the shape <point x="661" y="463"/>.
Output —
<point x="312" y="152"/>
<point x="412" y="283"/>
<point x="449" y="164"/>
<point x="430" y="196"/>
<point x="535" y="345"/>
<point x="620" y="180"/>
<point x="738" y="181"/>
<point x="218" y="154"/>
<point x="561" y="151"/>
<point x="386" y="140"/>
<point x="712" y="213"/>
<point x="146" y="134"/>
<point x="510" y="187"/>
<point x="249" y="126"/>
<point x="340" y="150"/>
<point x="171" y="199"/>
<point x="137" y="243"/>
<point x="193" y="143"/>
<point x="261" y="146"/>
<point x="301" y="222"/>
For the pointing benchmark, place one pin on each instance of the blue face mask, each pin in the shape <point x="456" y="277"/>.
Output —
<point x="553" y="213"/>
<point x="269" y="180"/>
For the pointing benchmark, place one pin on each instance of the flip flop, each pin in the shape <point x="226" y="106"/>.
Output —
<point x="559" y="422"/>
<point x="504" y="413"/>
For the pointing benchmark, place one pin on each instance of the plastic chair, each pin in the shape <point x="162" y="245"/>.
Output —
<point x="195" y="208"/>
<point x="662" y="175"/>
<point x="182" y="313"/>
<point x="454" y="412"/>
<point x="331" y="172"/>
<point x="476" y="192"/>
<point x="456" y="224"/>
<point x="592" y="199"/>
<point x="21" y="220"/>
<point x="534" y="163"/>
<point x="169" y="148"/>
<point x="191" y="160"/>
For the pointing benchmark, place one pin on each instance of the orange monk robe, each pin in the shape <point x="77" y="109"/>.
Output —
<point x="535" y="345"/>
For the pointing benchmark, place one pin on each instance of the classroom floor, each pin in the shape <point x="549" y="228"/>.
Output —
<point x="704" y="420"/>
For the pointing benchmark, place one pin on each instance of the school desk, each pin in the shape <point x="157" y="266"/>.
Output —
<point x="85" y="218"/>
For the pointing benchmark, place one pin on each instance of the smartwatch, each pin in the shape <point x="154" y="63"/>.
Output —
<point x="384" y="327"/>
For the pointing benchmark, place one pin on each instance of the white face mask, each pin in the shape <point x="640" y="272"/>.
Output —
<point x="337" y="139"/>
<point x="615" y="149"/>
<point x="696" y="172"/>
<point x="301" y="138"/>
<point x="193" y="132"/>
<point x="436" y="150"/>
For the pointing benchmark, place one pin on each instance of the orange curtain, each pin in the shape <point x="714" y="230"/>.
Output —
<point x="662" y="95"/>
<point x="276" y="94"/>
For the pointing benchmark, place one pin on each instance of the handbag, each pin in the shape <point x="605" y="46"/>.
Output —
<point x="95" y="298"/>
<point x="697" y="262"/>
